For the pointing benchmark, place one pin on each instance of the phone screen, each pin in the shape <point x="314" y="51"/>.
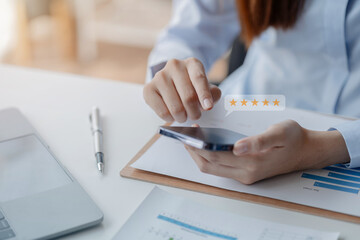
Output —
<point x="215" y="139"/>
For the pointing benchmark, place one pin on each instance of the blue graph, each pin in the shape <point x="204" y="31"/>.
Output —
<point x="194" y="228"/>
<point x="339" y="178"/>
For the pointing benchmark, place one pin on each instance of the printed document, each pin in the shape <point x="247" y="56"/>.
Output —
<point x="163" y="216"/>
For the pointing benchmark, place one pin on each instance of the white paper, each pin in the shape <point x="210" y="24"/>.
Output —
<point x="167" y="156"/>
<point x="169" y="217"/>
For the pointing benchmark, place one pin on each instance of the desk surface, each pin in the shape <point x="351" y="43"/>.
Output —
<point x="58" y="105"/>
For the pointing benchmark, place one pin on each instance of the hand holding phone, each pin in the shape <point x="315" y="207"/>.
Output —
<point x="213" y="139"/>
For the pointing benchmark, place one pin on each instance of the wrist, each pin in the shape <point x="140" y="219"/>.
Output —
<point x="328" y="148"/>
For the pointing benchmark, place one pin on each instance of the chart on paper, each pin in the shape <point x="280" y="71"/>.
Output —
<point x="163" y="216"/>
<point x="335" y="178"/>
<point x="174" y="227"/>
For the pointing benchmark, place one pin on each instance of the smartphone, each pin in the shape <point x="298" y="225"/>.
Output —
<point x="213" y="139"/>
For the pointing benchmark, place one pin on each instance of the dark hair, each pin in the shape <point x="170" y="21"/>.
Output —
<point x="257" y="15"/>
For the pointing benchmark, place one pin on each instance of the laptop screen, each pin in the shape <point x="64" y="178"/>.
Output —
<point x="27" y="168"/>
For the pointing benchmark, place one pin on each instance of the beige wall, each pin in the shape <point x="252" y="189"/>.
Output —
<point x="100" y="38"/>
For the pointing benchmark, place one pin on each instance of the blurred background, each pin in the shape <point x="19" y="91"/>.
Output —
<point x="100" y="38"/>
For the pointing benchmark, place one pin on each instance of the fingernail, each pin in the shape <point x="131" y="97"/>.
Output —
<point x="207" y="103"/>
<point x="240" y="148"/>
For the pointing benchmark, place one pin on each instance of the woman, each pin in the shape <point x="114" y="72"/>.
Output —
<point x="308" y="51"/>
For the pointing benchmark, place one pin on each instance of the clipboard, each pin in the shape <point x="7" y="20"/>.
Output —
<point x="133" y="173"/>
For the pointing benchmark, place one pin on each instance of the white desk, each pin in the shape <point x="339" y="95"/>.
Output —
<point x="58" y="106"/>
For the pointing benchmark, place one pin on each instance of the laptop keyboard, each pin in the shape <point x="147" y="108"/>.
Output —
<point x="5" y="231"/>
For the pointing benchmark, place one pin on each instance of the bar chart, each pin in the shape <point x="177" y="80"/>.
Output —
<point x="173" y="227"/>
<point x="338" y="178"/>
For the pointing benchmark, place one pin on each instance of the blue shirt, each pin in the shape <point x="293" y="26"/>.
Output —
<point x="315" y="64"/>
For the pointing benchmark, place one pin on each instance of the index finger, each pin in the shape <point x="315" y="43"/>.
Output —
<point x="198" y="79"/>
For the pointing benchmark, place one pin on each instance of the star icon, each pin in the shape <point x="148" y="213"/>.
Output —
<point x="254" y="103"/>
<point x="233" y="103"/>
<point x="266" y="102"/>
<point x="243" y="102"/>
<point x="276" y="102"/>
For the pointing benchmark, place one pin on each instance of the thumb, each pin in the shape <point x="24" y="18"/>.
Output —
<point x="269" y="139"/>
<point x="216" y="92"/>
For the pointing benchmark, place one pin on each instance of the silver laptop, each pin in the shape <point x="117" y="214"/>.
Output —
<point x="39" y="199"/>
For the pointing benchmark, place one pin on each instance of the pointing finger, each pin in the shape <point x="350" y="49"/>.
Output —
<point x="200" y="82"/>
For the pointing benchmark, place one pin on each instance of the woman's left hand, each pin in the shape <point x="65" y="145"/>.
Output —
<point x="283" y="148"/>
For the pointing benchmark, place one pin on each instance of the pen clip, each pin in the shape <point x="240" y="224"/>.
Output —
<point x="91" y="123"/>
<point x="95" y="123"/>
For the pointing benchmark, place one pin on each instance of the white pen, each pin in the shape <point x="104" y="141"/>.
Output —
<point x="98" y="137"/>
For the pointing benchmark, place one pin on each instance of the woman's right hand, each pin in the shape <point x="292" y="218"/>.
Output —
<point x="181" y="90"/>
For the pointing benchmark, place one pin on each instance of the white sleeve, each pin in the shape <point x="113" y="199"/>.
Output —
<point x="351" y="134"/>
<point x="203" y="29"/>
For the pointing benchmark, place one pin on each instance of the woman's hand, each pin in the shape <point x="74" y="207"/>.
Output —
<point x="180" y="91"/>
<point x="283" y="148"/>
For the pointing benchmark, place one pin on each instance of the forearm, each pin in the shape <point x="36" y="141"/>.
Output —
<point x="200" y="29"/>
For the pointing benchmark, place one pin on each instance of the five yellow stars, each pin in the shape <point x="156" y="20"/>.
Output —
<point x="254" y="102"/>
